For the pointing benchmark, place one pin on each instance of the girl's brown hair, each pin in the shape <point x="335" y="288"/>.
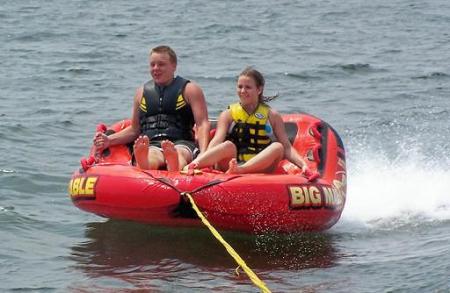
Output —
<point x="260" y="82"/>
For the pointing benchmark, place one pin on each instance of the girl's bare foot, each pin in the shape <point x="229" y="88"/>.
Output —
<point x="171" y="155"/>
<point x="233" y="167"/>
<point x="141" y="151"/>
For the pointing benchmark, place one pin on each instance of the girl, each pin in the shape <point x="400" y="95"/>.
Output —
<point x="250" y="136"/>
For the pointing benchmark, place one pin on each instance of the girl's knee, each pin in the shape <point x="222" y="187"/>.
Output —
<point x="229" y="146"/>
<point x="278" y="147"/>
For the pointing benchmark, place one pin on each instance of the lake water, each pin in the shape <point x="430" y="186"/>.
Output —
<point x="377" y="71"/>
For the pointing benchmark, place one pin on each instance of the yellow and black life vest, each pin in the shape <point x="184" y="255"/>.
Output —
<point x="250" y="132"/>
<point x="164" y="113"/>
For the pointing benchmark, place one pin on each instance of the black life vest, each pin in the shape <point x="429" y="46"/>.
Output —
<point x="164" y="112"/>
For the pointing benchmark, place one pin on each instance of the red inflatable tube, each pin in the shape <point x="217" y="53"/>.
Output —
<point x="284" y="201"/>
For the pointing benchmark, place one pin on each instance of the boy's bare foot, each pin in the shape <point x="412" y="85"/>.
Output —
<point x="233" y="167"/>
<point x="141" y="151"/>
<point x="171" y="155"/>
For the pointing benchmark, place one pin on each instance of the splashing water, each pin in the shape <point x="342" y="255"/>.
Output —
<point x="406" y="189"/>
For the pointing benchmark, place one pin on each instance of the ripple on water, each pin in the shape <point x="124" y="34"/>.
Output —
<point x="433" y="75"/>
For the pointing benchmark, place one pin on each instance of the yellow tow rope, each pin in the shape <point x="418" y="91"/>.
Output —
<point x="253" y="277"/>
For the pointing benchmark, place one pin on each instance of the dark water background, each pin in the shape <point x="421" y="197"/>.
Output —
<point x="378" y="71"/>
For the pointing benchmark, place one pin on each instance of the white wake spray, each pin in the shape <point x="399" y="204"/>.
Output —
<point x="409" y="188"/>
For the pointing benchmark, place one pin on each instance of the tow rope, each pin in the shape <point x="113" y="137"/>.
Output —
<point x="253" y="277"/>
<point x="241" y="263"/>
